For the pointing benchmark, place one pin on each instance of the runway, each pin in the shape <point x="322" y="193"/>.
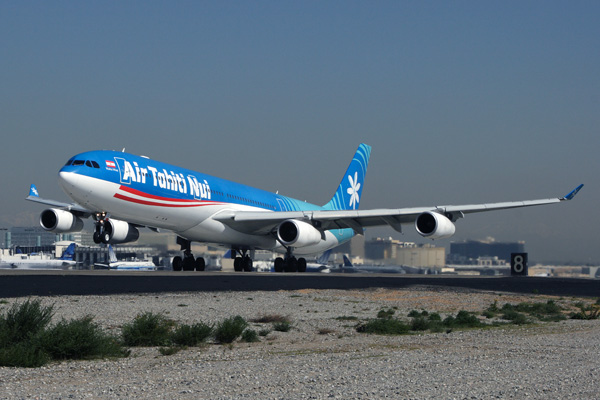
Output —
<point x="24" y="283"/>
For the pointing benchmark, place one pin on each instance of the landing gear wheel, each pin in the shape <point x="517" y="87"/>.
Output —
<point x="97" y="238"/>
<point x="291" y="265"/>
<point x="188" y="264"/>
<point x="200" y="264"/>
<point x="247" y="264"/>
<point x="237" y="264"/>
<point x="177" y="263"/>
<point x="302" y="265"/>
<point x="279" y="264"/>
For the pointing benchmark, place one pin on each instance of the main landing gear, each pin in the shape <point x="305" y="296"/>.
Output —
<point x="188" y="262"/>
<point x="289" y="263"/>
<point x="243" y="262"/>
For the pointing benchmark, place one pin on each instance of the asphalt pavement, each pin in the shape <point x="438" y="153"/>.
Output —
<point x="25" y="283"/>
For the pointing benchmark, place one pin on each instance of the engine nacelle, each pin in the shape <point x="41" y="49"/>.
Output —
<point x="298" y="233"/>
<point x="116" y="231"/>
<point x="434" y="225"/>
<point x="60" y="221"/>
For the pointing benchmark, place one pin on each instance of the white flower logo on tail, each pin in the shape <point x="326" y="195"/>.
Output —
<point x="353" y="190"/>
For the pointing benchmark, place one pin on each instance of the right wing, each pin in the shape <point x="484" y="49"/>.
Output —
<point x="73" y="207"/>
<point x="263" y="222"/>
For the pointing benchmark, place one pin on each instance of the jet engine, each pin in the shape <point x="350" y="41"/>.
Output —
<point x="116" y="231"/>
<point x="434" y="225"/>
<point x="60" y="221"/>
<point x="298" y="233"/>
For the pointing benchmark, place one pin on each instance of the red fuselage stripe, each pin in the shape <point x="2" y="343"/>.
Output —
<point x="150" y="196"/>
<point x="153" y="203"/>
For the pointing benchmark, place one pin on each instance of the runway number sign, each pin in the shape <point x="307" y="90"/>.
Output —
<point x="518" y="264"/>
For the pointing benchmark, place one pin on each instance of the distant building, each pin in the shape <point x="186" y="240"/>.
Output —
<point x="471" y="252"/>
<point x="30" y="238"/>
<point x="355" y="247"/>
<point x="394" y="252"/>
<point x="421" y="256"/>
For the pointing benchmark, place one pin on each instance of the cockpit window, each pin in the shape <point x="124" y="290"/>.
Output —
<point x="88" y="163"/>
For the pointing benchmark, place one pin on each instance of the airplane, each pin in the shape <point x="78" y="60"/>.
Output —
<point x="348" y="267"/>
<point x="29" y="261"/>
<point x="321" y="264"/>
<point x="123" y="192"/>
<point x="137" y="265"/>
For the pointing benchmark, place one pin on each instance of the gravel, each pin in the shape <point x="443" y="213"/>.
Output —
<point x="323" y="357"/>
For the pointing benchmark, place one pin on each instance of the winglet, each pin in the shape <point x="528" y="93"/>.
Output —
<point x="572" y="193"/>
<point x="33" y="192"/>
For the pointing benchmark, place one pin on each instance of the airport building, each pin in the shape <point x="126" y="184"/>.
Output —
<point x="474" y="252"/>
<point x="394" y="252"/>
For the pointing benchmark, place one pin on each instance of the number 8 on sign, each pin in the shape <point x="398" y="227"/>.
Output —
<point x="518" y="264"/>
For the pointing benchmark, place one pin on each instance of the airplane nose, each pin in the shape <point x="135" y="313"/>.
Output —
<point x="67" y="180"/>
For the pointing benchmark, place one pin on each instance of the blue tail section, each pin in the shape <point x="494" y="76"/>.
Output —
<point x="33" y="191"/>
<point x="347" y="196"/>
<point x="69" y="252"/>
<point x="112" y="257"/>
<point x="347" y="262"/>
<point x="324" y="259"/>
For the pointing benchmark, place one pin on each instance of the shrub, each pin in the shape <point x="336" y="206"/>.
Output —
<point x="515" y="317"/>
<point x="543" y="311"/>
<point x="230" y="329"/>
<point x="250" y="336"/>
<point x="384" y="326"/>
<point x="79" y="339"/>
<point x="389" y="313"/>
<point x="264" y="332"/>
<point x="25" y="340"/>
<point x="24" y="321"/>
<point x="186" y="335"/>
<point x="148" y="329"/>
<point x="270" y="318"/>
<point x="435" y="317"/>
<point x="419" y="324"/>
<point x="23" y="354"/>
<point x="347" y="318"/>
<point x="586" y="312"/>
<point x="170" y="350"/>
<point x="284" y="326"/>
<point x="467" y="320"/>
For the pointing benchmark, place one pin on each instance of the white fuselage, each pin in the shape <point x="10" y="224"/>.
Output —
<point x="193" y="223"/>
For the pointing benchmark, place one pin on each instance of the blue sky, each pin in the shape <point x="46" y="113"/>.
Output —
<point x="461" y="101"/>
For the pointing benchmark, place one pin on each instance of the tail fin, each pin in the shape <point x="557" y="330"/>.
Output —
<point x="347" y="262"/>
<point x="112" y="257"/>
<point x="347" y="196"/>
<point x="324" y="259"/>
<point x="69" y="252"/>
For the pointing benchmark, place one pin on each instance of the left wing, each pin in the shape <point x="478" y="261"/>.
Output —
<point x="259" y="222"/>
